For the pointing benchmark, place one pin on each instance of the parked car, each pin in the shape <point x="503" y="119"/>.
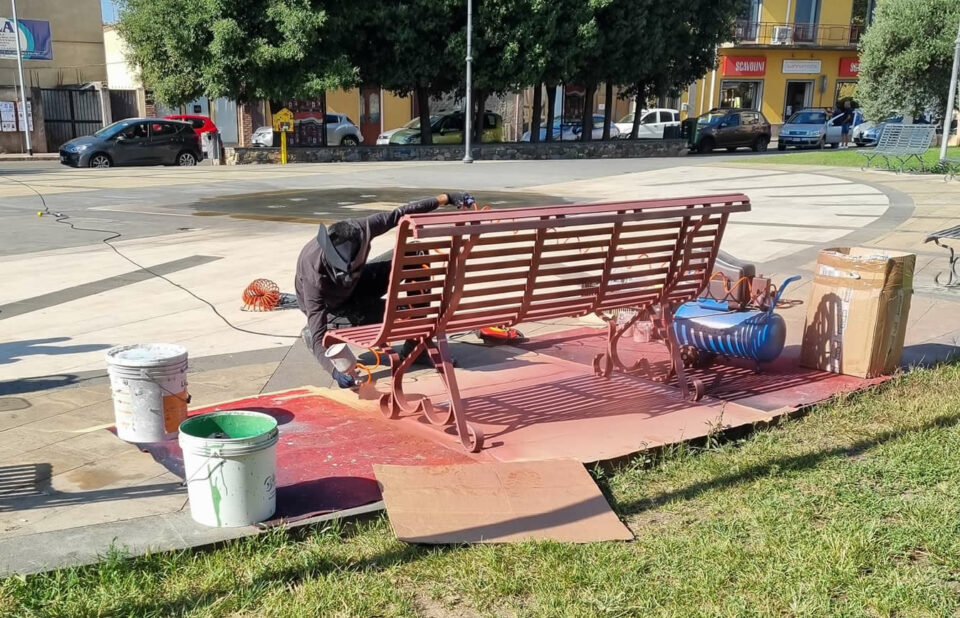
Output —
<point x="731" y="129"/>
<point x="568" y="130"/>
<point x="384" y="138"/>
<point x="652" y="123"/>
<point x="868" y="133"/>
<point x="813" y="127"/>
<point x="341" y="131"/>
<point x="135" y="141"/>
<point x="200" y="124"/>
<point x="446" y="128"/>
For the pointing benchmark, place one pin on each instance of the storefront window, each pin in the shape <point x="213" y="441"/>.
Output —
<point x="846" y="91"/>
<point x="738" y="93"/>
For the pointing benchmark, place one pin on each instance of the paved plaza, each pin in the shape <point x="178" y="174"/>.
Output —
<point x="67" y="297"/>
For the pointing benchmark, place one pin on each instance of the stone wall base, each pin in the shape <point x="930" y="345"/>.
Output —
<point x="613" y="149"/>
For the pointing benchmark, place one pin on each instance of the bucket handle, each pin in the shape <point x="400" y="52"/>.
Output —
<point x="145" y="375"/>
<point x="195" y="476"/>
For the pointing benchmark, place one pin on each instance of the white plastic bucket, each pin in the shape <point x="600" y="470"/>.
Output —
<point x="229" y="461"/>
<point x="149" y="385"/>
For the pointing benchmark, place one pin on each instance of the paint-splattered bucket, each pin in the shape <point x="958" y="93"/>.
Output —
<point x="229" y="461"/>
<point x="149" y="386"/>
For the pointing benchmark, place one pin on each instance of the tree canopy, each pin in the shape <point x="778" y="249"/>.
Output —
<point x="288" y="49"/>
<point x="906" y="57"/>
<point x="242" y="49"/>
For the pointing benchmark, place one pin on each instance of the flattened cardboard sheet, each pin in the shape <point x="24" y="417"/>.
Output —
<point x="497" y="503"/>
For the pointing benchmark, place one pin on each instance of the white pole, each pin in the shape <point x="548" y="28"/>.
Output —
<point x="23" y="89"/>
<point x="951" y="98"/>
<point x="469" y="115"/>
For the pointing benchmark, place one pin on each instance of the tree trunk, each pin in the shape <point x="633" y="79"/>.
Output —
<point x="586" y="118"/>
<point x="423" y="102"/>
<point x="480" y="98"/>
<point x="551" y="110"/>
<point x="323" y="122"/>
<point x="607" y="110"/>
<point x="537" y="110"/>
<point x="638" y="111"/>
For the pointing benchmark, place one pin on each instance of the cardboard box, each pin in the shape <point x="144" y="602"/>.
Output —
<point x="857" y="316"/>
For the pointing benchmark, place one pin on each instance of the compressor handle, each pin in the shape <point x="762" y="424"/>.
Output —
<point x="783" y="286"/>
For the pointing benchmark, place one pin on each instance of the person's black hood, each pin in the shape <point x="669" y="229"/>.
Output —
<point x="344" y="261"/>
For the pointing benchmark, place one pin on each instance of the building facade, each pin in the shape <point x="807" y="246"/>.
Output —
<point x="788" y="55"/>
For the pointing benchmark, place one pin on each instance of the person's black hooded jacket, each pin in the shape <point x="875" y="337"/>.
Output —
<point x="325" y="281"/>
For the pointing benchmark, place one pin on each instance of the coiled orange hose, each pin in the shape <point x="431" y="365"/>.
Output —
<point x="261" y="295"/>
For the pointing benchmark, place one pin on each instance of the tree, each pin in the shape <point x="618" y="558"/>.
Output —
<point x="242" y="49"/>
<point x="408" y="47"/>
<point x="675" y="45"/>
<point x="906" y="57"/>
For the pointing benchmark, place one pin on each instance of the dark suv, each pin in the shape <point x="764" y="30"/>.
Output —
<point x="731" y="129"/>
<point x="135" y="141"/>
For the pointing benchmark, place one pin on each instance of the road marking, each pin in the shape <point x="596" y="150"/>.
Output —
<point x="297" y="199"/>
<point x="141" y="212"/>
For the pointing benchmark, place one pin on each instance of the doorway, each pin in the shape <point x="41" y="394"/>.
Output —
<point x="370" y="114"/>
<point x="799" y="96"/>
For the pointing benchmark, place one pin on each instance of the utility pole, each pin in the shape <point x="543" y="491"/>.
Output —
<point x="468" y="124"/>
<point x="951" y="98"/>
<point x="23" y="89"/>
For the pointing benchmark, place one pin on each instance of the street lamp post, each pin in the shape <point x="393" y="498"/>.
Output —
<point x="948" y="115"/>
<point x="468" y="125"/>
<point x="23" y="89"/>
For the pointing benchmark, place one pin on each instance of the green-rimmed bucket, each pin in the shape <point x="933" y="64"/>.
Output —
<point x="229" y="461"/>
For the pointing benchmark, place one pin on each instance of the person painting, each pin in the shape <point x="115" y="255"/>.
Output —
<point x="846" y="122"/>
<point x="338" y="287"/>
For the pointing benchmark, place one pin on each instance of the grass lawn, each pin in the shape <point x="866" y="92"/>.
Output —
<point x="851" y="157"/>
<point x="852" y="510"/>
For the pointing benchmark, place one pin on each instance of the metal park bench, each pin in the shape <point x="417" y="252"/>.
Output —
<point x="458" y="272"/>
<point x="953" y="233"/>
<point x="901" y="142"/>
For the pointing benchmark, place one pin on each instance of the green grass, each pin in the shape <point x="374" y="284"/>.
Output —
<point x="852" y="510"/>
<point x="851" y="157"/>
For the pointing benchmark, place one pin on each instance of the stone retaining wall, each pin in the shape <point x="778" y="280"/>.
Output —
<point x="613" y="149"/>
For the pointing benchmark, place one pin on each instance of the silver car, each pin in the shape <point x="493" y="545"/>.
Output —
<point x="807" y="127"/>
<point x="340" y="132"/>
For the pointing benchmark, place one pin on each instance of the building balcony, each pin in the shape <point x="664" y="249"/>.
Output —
<point x="772" y="34"/>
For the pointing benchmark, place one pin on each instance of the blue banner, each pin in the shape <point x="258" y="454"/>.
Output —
<point x="35" y="42"/>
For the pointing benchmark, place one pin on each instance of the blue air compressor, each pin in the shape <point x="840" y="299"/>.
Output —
<point x="753" y="331"/>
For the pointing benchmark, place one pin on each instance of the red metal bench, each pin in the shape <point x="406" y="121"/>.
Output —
<point x="457" y="272"/>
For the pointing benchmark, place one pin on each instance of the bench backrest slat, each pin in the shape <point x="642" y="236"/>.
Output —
<point x="506" y="266"/>
<point x="905" y="139"/>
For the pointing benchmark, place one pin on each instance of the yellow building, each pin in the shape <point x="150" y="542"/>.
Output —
<point x="374" y="110"/>
<point x="789" y="54"/>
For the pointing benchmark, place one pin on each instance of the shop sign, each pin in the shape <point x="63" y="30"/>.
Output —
<point x="849" y="67"/>
<point x="801" y="66"/>
<point x="744" y="66"/>
<point x="34" y="38"/>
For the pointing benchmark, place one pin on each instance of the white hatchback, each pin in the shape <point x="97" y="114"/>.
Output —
<point x="652" y="123"/>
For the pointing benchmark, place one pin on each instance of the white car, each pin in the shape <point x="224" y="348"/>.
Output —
<point x="384" y="138"/>
<point x="568" y="130"/>
<point x="652" y="123"/>
<point x="340" y="132"/>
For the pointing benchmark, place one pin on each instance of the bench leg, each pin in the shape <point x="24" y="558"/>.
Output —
<point x="953" y="277"/>
<point x="395" y="402"/>
<point x="691" y="389"/>
<point x="471" y="437"/>
<point x="605" y="362"/>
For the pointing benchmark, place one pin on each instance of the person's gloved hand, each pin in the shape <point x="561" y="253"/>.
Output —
<point x="343" y="380"/>
<point x="461" y="200"/>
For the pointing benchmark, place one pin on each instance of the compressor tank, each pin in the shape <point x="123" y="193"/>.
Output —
<point x="754" y="335"/>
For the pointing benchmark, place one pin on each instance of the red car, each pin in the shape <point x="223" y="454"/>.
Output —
<point x="200" y="124"/>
